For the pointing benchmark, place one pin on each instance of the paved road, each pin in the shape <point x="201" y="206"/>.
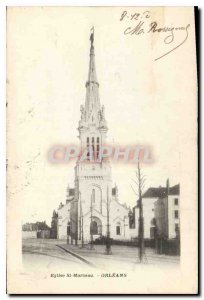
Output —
<point x="40" y="254"/>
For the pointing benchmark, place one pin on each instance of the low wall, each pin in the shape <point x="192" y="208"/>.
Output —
<point x="29" y="234"/>
<point x="43" y="234"/>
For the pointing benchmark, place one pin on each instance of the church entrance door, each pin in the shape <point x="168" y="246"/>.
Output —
<point x="96" y="226"/>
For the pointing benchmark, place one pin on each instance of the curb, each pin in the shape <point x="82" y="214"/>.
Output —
<point x="77" y="256"/>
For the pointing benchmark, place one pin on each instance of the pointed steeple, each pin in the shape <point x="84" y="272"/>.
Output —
<point x="92" y="113"/>
<point x="92" y="68"/>
<point x="92" y="103"/>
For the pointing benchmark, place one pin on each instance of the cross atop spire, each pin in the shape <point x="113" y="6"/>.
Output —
<point x="92" y="105"/>
<point x="92" y="68"/>
<point x="92" y="36"/>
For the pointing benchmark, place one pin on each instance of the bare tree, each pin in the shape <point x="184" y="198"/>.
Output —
<point x="140" y="182"/>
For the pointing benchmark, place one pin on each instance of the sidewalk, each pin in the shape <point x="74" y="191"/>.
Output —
<point x="122" y="256"/>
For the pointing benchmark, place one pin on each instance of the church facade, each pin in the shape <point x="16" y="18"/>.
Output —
<point x="92" y="207"/>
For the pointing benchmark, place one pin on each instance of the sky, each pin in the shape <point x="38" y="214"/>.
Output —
<point x="47" y="68"/>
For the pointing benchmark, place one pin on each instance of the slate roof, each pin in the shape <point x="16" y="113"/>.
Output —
<point x="161" y="192"/>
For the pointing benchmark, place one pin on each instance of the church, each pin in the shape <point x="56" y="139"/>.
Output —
<point x="92" y="207"/>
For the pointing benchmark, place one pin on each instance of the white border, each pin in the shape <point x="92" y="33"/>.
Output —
<point x="3" y="4"/>
<point x="3" y="149"/>
<point x="102" y="3"/>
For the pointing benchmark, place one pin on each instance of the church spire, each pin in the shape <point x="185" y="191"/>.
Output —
<point x="92" y="113"/>
<point x="92" y="68"/>
<point x="92" y="103"/>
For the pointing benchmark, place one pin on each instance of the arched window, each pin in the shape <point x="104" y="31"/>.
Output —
<point x="118" y="229"/>
<point x="153" y="228"/>
<point x="93" y="146"/>
<point x="69" y="228"/>
<point x="87" y="146"/>
<point x="153" y="222"/>
<point x="97" y="148"/>
<point x="93" y="228"/>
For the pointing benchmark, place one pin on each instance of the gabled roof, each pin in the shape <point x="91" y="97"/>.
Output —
<point x="118" y="218"/>
<point x="175" y="190"/>
<point x="154" y="192"/>
<point x="161" y="192"/>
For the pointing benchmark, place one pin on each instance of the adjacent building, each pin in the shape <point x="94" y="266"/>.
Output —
<point x="161" y="211"/>
<point x="167" y="214"/>
<point x="35" y="230"/>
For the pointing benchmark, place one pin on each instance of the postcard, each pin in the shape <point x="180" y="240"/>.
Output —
<point x="102" y="179"/>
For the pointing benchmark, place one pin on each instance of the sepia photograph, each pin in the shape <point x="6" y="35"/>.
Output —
<point x="102" y="192"/>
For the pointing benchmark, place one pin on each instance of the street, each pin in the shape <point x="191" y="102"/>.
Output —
<point x="39" y="254"/>
<point x="123" y="257"/>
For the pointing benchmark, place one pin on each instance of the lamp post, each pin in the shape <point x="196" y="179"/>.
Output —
<point x="71" y="231"/>
<point x="108" y="242"/>
<point x="81" y="222"/>
<point x="91" y="230"/>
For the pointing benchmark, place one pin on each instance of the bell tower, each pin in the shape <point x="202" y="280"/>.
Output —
<point x="92" y="126"/>
<point x="93" y="183"/>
